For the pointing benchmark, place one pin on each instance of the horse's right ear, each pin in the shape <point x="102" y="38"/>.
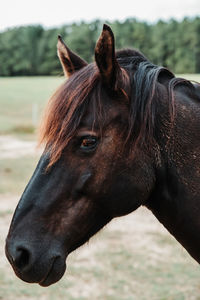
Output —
<point x="69" y="60"/>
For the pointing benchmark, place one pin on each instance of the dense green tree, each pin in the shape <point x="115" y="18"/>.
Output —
<point x="31" y="50"/>
<point x="197" y="45"/>
<point x="48" y="63"/>
<point x="19" y="50"/>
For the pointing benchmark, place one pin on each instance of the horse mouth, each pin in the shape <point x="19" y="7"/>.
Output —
<point x="54" y="274"/>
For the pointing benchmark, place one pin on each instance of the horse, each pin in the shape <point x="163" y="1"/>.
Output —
<point x="120" y="133"/>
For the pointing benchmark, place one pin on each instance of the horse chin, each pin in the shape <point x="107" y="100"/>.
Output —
<point x="54" y="274"/>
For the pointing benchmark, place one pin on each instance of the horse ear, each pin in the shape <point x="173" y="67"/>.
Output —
<point x="69" y="60"/>
<point x="105" y="57"/>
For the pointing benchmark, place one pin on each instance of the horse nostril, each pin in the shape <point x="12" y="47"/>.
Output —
<point x="22" y="258"/>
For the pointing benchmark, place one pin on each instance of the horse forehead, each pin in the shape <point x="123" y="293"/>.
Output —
<point x="111" y="109"/>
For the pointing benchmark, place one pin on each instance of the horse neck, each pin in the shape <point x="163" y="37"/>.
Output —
<point x="175" y="200"/>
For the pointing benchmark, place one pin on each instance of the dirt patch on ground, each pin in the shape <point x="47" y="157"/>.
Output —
<point x="11" y="147"/>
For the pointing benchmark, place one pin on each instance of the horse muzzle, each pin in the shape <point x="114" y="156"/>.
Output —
<point x="42" y="266"/>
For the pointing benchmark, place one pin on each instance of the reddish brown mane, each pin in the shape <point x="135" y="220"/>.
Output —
<point x="66" y="109"/>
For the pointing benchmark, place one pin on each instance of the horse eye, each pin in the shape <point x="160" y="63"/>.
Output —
<point x="88" y="143"/>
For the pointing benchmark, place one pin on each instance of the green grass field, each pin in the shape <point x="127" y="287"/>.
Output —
<point x="18" y="95"/>
<point x="132" y="259"/>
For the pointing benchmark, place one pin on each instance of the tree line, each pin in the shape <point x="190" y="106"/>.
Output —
<point x="31" y="50"/>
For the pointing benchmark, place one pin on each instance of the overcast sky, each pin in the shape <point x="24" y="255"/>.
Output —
<point x="57" y="12"/>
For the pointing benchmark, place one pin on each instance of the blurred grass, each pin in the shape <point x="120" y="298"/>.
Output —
<point x="17" y="95"/>
<point x="195" y="77"/>
<point x="15" y="172"/>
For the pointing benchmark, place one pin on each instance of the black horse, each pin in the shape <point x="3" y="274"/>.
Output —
<point x="119" y="133"/>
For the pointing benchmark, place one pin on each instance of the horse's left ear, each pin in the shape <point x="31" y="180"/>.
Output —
<point x="70" y="61"/>
<point x="105" y="58"/>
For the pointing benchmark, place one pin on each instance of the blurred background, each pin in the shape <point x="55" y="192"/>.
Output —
<point x="134" y="257"/>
